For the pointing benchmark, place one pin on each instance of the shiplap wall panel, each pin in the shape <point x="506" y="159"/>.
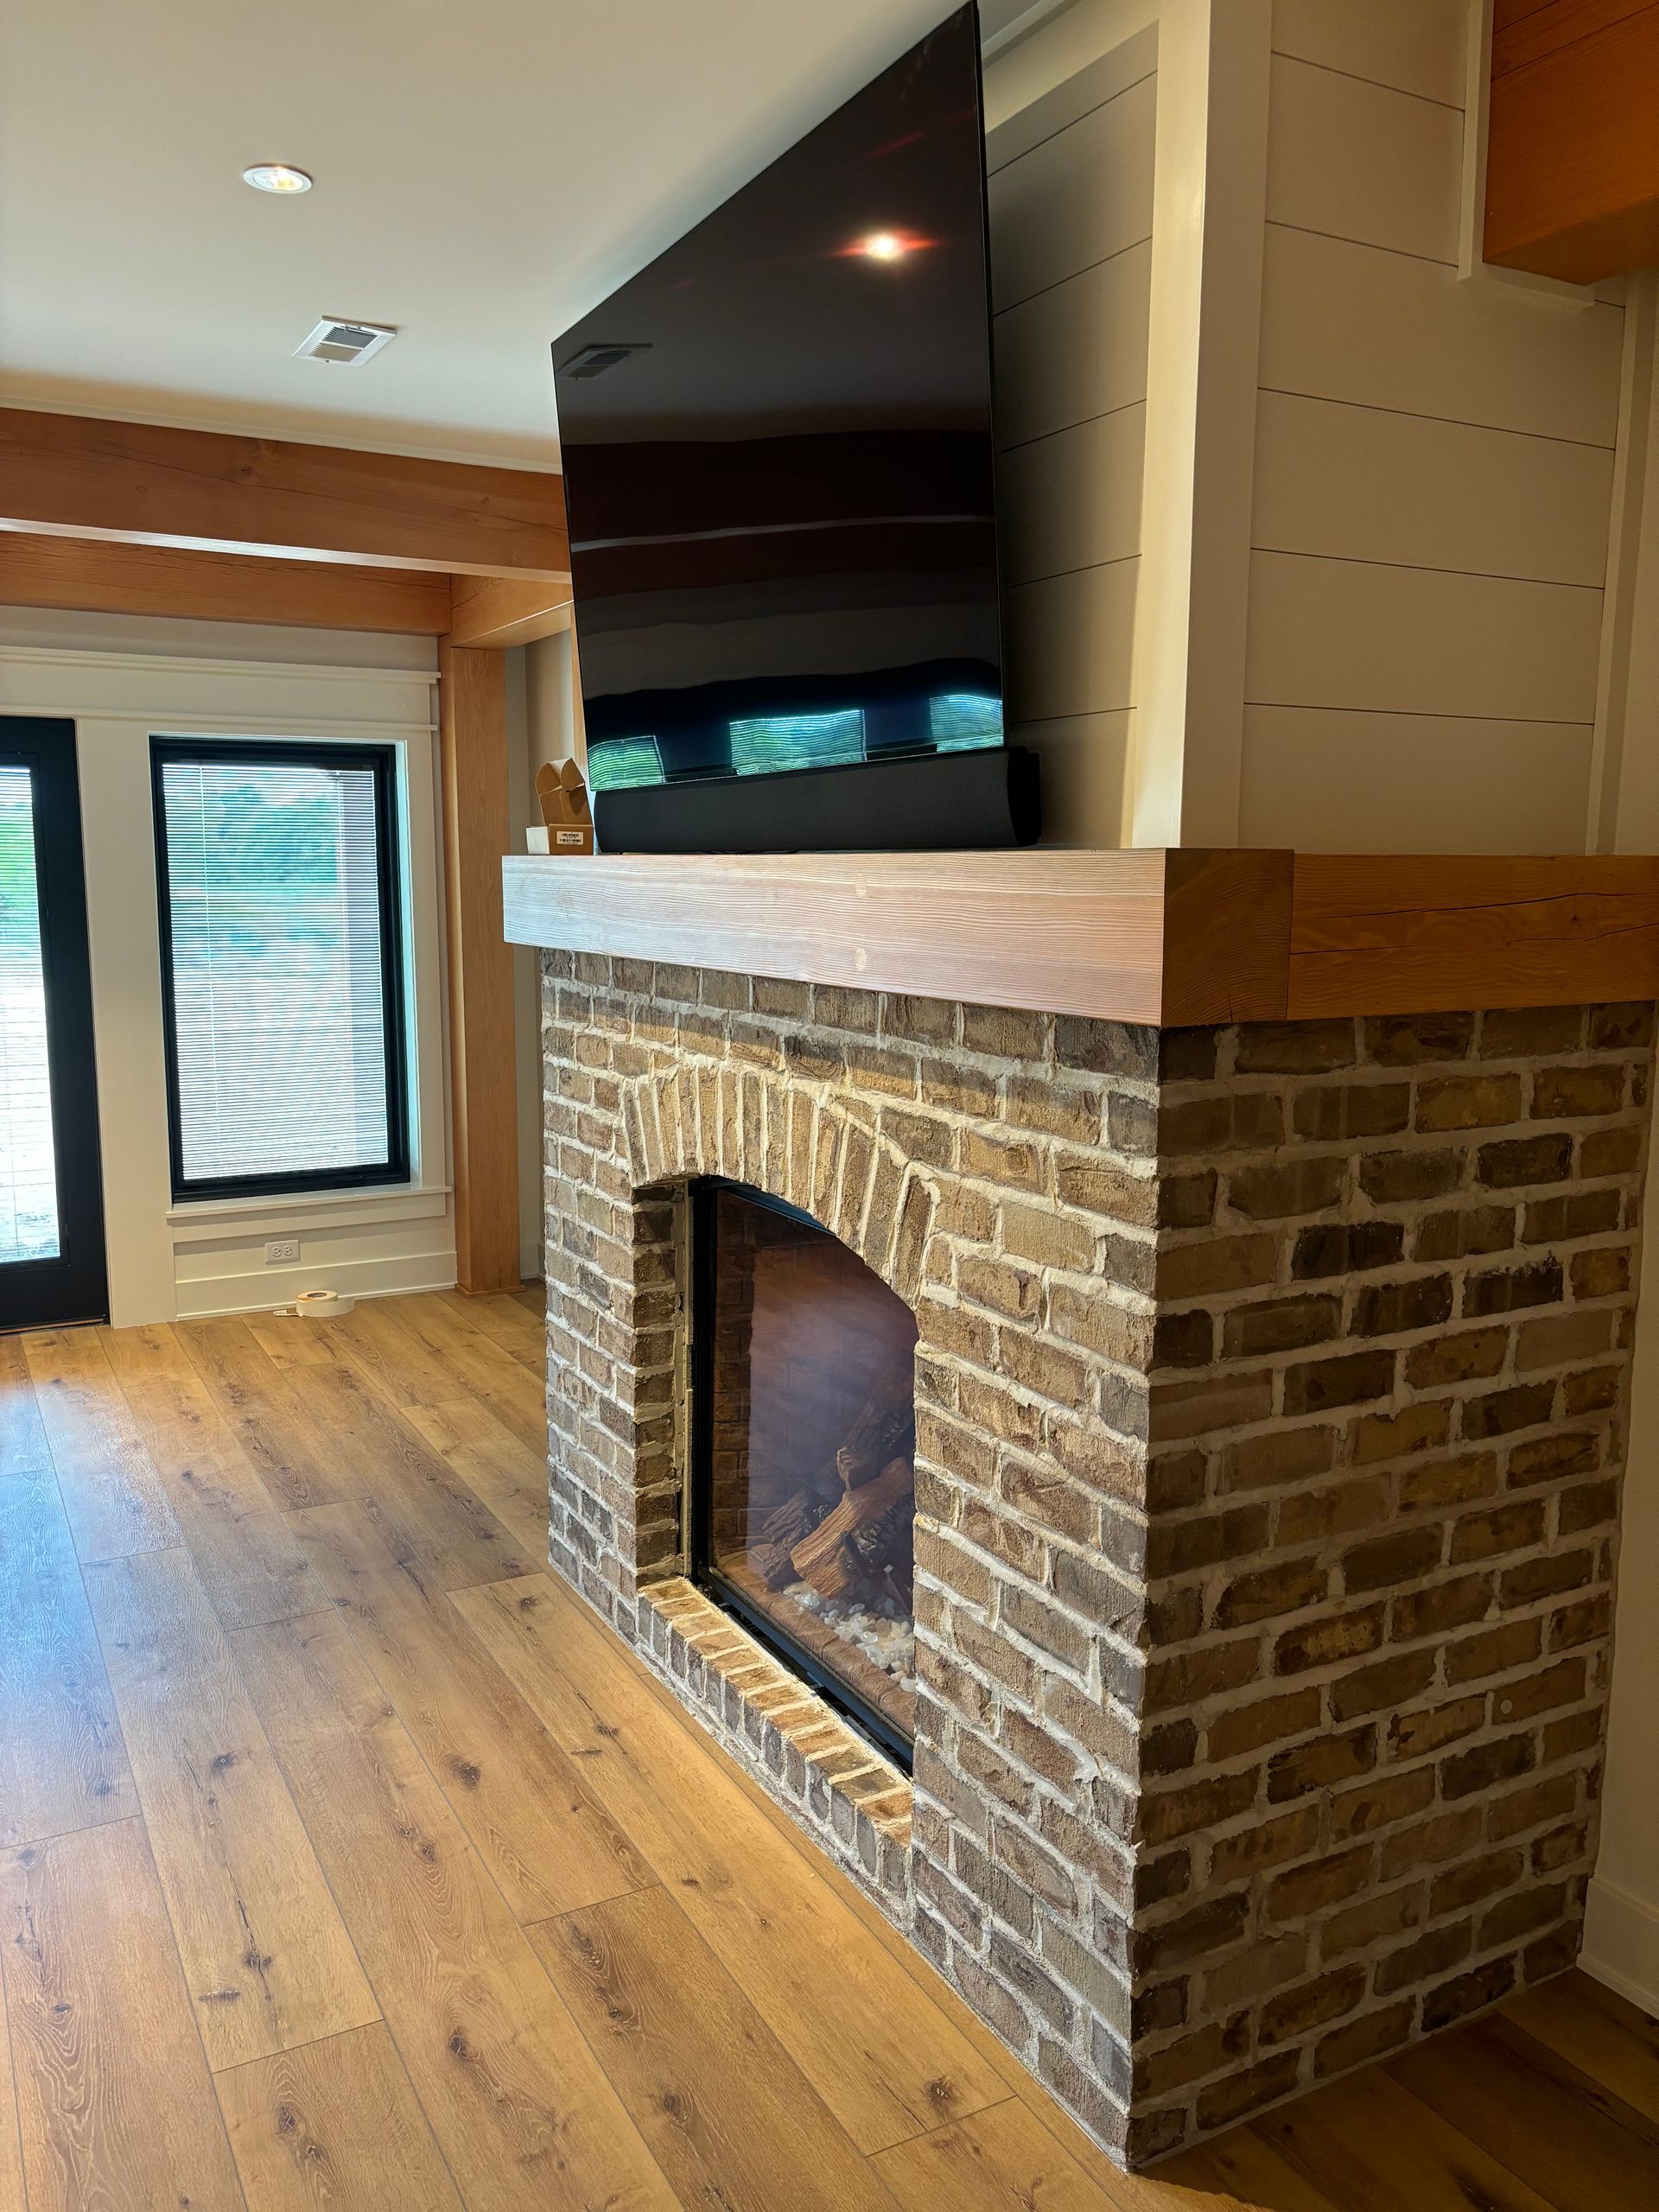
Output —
<point x="1345" y="322"/>
<point x="1359" y="160"/>
<point x="1074" y="351"/>
<point x="1076" y="198"/>
<point x="1051" y="81"/>
<point x="1083" y="762"/>
<point x="1351" y="633"/>
<point x="1070" y="222"/>
<point x="1069" y="644"/>
<point x="1072" y="500"/>
<point x="1415" y="45"/>
<point x="1358" y="483"/>
<point x="1322" y="780"/>
<point x="1434" y="473"/>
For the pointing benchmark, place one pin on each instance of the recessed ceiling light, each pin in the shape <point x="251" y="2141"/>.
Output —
<point x="276" y="176"/>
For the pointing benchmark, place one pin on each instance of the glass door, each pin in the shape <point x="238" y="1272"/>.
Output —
<point x="51" y="1187"/>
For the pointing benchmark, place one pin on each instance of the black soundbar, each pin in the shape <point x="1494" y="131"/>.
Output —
<point x="916" y="802"/>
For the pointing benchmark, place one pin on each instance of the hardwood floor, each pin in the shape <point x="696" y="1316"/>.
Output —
<point x="346" y="1862"/>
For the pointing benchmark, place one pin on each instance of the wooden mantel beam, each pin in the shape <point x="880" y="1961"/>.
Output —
<point x="142" y="483"/>
<point x="1162" y="936"/>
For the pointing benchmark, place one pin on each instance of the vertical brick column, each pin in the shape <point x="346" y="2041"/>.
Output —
<point x="1390" y="1362"/>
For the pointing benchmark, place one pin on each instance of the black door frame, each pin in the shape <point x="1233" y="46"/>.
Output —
<point x="41" y="1294"/>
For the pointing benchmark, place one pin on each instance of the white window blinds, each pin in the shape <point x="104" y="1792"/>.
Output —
<point x="280" y="925"/>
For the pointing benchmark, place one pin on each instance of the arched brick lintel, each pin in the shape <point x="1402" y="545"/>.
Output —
<point x="759" y="1129"/>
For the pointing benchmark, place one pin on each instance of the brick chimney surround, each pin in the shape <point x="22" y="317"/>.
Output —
<point x="1274" y="1337"/>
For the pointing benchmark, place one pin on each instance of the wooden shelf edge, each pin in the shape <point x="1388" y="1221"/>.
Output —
<point x="1166" y="938"/>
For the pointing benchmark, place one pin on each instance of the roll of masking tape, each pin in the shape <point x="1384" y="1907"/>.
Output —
<point x="322" y="1305"/>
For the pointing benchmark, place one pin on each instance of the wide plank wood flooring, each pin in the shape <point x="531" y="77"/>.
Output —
<point x="347" y="1864"/>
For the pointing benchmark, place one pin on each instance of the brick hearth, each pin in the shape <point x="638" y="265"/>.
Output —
<point x="1270" y="1397"/>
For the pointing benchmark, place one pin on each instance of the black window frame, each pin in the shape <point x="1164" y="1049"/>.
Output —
<point x="304" y="753"/>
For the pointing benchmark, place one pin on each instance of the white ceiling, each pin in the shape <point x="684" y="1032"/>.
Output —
<point x="486" y="170"/>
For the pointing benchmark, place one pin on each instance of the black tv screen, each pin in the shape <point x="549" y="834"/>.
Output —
<point x="778" y="462"/>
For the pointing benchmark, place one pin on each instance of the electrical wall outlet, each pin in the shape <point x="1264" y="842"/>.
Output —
<point x="281" y="1250"/>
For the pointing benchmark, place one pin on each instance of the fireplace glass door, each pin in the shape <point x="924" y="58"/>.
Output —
<point x="804" y="1439"/>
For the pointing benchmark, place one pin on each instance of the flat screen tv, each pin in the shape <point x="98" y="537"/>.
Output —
<point x="778" y="469"/>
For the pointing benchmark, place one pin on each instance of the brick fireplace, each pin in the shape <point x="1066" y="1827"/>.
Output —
<point x="1269" y="1389"/>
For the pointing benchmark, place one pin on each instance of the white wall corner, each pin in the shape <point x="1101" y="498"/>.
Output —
<point x="1192" y="603"/>
<point x="1621" y="1942"/>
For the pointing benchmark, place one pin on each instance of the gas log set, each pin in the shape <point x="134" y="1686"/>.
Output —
<point x="805" y="1465"/>
<point x="849" y="1532"/>
<point x="832" y="1563"/>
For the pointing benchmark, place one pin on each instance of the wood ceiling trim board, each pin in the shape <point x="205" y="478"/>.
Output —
<point x="98" y="576"/>
<point x="76" y="476"/>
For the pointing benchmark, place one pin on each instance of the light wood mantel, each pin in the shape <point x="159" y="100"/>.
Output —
<point x="1163" y="937"/>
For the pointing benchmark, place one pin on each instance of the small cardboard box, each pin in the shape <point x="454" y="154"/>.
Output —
<point x="559" y="841"/>
<point x="563" y="797"/>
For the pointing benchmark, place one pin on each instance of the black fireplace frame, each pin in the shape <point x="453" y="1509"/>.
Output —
<point x="704" y="1256"/>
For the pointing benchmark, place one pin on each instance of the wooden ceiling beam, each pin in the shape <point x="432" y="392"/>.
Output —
<point x="142" y="483"/>
<point x="96" y="576"/>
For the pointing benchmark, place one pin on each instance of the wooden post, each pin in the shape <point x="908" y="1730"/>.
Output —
<point x="473" y="741"/>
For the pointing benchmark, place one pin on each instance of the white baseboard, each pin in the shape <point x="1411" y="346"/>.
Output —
<point x="1621" y="1943"/>
<point x="260" y="1290"/>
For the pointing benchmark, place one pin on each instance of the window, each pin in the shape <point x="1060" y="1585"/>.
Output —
<point x="282" y="966"/>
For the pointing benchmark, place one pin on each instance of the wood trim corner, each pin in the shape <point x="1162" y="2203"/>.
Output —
<point x="96" y="575"/>
<point x="1227" y="919"/>
<point x="508" y="610"/>
<point x="483" y="1062"/>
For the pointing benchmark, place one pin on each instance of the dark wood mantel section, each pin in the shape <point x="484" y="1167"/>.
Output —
<point x="1573" y="157"/>
<point x="1163" y="937"/>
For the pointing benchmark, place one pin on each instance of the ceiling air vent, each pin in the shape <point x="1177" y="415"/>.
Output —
<point x="593" y="360"/>
<point x="347" y="342"/>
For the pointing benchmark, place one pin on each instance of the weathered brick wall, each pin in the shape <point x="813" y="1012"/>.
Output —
<point x="1268" y="1397"/>
<point x="997" y="1170"/>
<point x="1387" y="1433"/>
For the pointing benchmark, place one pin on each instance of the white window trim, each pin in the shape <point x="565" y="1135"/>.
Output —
<point x="117" y="701"/>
